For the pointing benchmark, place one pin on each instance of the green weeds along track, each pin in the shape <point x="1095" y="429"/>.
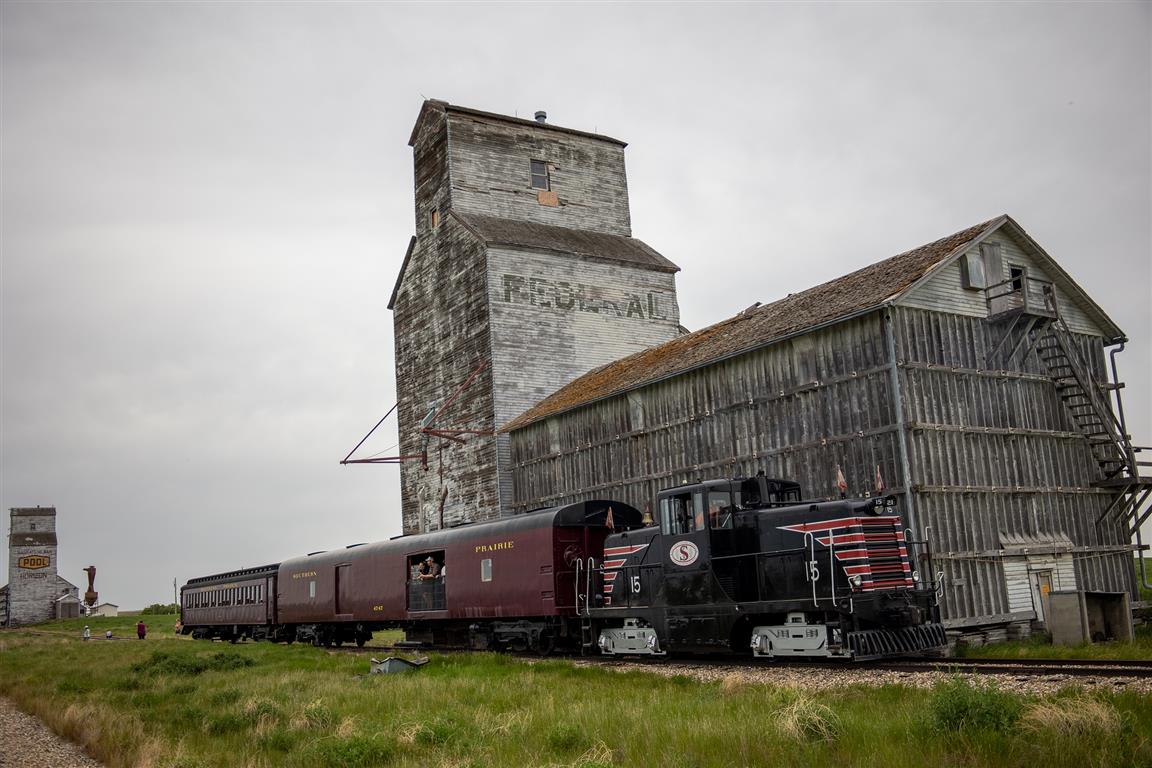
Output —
<point x="175" y="703"/>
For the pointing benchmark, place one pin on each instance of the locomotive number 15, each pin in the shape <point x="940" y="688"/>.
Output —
<point x="636" y="584"/>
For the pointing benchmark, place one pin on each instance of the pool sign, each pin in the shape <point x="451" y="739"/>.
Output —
<point x="684" y="553"/>
<point x="34" y="562"/>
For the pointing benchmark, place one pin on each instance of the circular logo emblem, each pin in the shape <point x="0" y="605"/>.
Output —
<point x="684" y="553"/>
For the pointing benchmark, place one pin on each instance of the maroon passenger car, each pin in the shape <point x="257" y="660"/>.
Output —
<point x="510" y="582"/>
<point x="231" y="605"/>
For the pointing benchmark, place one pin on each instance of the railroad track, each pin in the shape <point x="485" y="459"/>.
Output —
<point x="1104" y="668"/>
<point x="1138" y="668"/>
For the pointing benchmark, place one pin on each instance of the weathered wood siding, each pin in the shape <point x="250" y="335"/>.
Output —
<point x="795" y="410"/>
<point x="33" y="583"/>
<point x="989" y="450"/>
<point x="996" y="450"/>
<point x="1017" y="574"/>
<point x="555" y="317"/>
<point x="440" y="317"/>
<point x="944" y="292"/>
<point x="432" y="176"/>
<point x="539" y="319"/>
<point x="490" y="163"/>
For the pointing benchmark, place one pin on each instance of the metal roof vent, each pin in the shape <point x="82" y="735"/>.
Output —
<point x="541" y="116"/>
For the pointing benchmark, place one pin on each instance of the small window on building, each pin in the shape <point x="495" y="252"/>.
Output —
<point x="540" y="178"/>
<point x="312" y="590"/>
<point x="486" y="569"/>
<point x="1017" y="275"/>
<point x="434" y="218"/>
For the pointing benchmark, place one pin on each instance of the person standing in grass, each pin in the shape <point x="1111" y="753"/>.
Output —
<point x="87" y="633"/>
<point x="141" y="629"/>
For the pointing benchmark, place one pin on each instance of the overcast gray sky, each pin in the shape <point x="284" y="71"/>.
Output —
<point x="205" y="207"/>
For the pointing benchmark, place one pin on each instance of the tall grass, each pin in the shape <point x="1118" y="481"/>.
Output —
<point x="206" y="705"/>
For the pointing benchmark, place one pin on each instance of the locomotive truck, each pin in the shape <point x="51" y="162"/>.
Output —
<point x="737" y="565"/>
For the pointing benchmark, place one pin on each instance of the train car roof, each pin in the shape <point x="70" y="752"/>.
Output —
<point x="228" y="575"/>
<point x="590" y="514"/>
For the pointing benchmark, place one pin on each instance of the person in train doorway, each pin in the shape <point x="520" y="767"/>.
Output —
<point x="141" y="629"/>
<point x="429" y="570"/>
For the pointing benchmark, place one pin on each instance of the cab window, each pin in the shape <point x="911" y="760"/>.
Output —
<point x="682" y="513"/>
<point x="719" y="509"/>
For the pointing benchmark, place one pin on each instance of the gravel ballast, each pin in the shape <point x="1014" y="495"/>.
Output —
<point x="28" y="743"/>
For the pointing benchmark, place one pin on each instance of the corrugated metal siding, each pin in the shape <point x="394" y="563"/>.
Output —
<point x="944" y="292"/>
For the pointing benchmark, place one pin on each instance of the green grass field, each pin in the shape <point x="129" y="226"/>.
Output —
<point x="180" y="703"/>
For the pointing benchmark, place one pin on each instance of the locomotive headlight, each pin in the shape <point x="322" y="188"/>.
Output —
<point x="916" y="576"/>
<point x="856" y="581"/>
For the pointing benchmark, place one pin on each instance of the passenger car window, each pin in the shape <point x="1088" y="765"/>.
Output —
<point x="486" y="569"/>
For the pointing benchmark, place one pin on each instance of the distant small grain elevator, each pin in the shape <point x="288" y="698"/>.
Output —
<point x="522" y="276"/>
<point x="35" y="592"/>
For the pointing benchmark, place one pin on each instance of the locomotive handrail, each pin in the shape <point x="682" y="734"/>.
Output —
<point x="812" y="572"/>
<point x="588" y="583"/>
<point x="576" y="586"/>
<point x="832" y="564"/>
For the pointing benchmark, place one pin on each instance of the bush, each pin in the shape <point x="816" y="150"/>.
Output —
<point x="352" y="752"/>
<point x="316" y="715"/>
<point x="565" y="737"/>
<point x="160" y="609"/>
<point x="218" y="724"/>
<point x="806" y="719"/>
<point x="170" y="663"/>
<point x="957" y="704"/>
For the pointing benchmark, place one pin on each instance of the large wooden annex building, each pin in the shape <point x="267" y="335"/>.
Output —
<point x="970" y="376"/>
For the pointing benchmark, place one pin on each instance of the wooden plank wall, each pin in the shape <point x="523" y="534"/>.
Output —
<point x="996" y="450"/>
<point x="490" y="175"/>
<point x="555" y="317"/>
<point x="795" y="410"/>
<point x="989" y="450"/>
<point x="441" y="329"/>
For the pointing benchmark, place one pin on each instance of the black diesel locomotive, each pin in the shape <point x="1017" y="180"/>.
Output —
<point x="745" y="564"/>
<point x="731" y="566"/>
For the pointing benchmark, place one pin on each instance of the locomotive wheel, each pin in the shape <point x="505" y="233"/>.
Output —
<point x="545" y="644"/>
<point x="360" y="640"/>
